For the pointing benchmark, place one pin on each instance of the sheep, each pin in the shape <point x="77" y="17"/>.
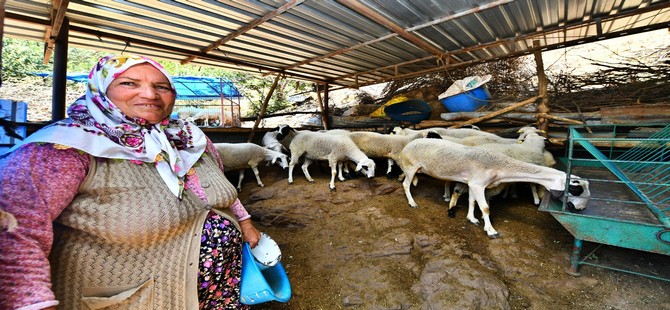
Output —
<point x="238" y="156"/>
<point x="446" y="132"/>
<point x="481" y="168"/>
<point x="209" y="114"/>
<point x="465" y="136"/>
<point x="203" y="115"/>
<point x="530" y="150"/>
<point x="322" y="146"/>
<point x="285" y="135"/>
<point x="270" y="141"/>
<point x="549" y="159"/>
<point x="491" y="140"/>
<point x="375" y="144"/>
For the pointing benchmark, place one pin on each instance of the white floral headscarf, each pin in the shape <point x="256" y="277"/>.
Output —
<point x="97" y="127"/>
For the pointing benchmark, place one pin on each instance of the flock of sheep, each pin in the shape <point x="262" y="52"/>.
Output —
<point x="482" y="163"/>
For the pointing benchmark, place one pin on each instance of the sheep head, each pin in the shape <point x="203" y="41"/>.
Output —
<point x="578" y="194"/>
<point x="284" y="131"/>
<point x="283" y="160"/>
<point x="368" y="165"/>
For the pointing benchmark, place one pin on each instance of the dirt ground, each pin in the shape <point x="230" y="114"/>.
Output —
<point x="362" y="247"/>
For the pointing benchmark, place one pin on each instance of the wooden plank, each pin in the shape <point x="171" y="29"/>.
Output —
<point x="572" y="118"/>
<point x="363" y="122"/>
<point x="636" y="114"/>
<point x="496" y="113"/>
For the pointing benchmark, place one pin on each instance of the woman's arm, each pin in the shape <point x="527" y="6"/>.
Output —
<point x="37" y="182"/>
<point x="249" y="232"/>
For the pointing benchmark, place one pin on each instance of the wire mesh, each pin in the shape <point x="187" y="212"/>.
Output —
<point x="641" y="163"/>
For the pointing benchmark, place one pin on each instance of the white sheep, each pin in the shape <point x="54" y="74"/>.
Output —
<point x="549" y="159"/>
<point x="239" y="156"/>
<point x="209" y="114"/>
<point x="377" y="145"/>
<point x="186" y="112"/>
<point x="530" y="150"/>
<point x="506" y="146"/>
<point x="480" y="169"/>
<point x="270" y="141"/>
<point x="322" y="146"/>
<point x="285" y="134"/>
<point x="465" y="136"/>
<point x="201" y="115"/>
<point x="445" y="132"/>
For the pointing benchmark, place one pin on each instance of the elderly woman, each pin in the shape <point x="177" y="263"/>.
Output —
<point x="119" y="206"/>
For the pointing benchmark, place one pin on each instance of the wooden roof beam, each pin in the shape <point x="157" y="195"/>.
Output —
<point x="531" y="36"/>
<point x="57" y="16"/>
<point x="378" y="18"/>
<point x="417" y="27"/>
<point x="291" y="4"/>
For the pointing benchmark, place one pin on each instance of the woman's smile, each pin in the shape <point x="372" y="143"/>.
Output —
<point x="142" y="91"/>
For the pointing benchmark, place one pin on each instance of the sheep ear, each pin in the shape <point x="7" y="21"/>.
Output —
<point x="575" y="190"/>
<point x="433" y="135"/>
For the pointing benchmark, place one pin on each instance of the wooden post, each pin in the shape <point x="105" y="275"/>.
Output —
<point x="324" y="115"/>
<point x="543" y="108"/>
<point x="326" y="108"/>
<point x="263" y="108"/>
<point x="60" y="73"/>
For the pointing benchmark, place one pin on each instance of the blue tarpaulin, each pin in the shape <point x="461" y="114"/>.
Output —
<point x="188" y="87"/>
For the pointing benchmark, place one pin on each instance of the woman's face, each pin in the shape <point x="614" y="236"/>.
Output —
<point x="142" y="91"/>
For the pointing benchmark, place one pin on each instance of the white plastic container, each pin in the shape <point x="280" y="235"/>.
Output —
<point x="266" y="253"/>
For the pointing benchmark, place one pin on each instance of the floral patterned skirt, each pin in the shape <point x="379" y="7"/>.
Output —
<point x="220" y="265"/>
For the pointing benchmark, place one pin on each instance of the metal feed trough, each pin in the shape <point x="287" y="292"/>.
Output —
<point x="628" y="169"/>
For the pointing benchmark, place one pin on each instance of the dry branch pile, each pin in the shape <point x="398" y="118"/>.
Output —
<point x="641" y="78"/>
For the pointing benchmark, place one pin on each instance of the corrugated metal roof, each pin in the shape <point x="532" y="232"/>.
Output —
<point x="345" y="42"/>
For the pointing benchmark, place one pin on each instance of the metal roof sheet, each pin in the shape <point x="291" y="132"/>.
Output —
<point x="345" y="42"/>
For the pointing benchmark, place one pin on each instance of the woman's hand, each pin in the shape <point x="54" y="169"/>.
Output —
<point x="250" y="233"/>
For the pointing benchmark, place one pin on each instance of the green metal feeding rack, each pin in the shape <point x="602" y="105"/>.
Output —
<point x="628" y="169"/>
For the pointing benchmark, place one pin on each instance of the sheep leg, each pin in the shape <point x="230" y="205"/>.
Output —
<point x="290" y="172"/>
<point x="339" y="171"/>
<point x="305" y="171"/>
<point x="390" y="166"/>
<point x="459" y="189"/>
<point x="239" y="181"/>
<point x="536" y="197"/>
<point x="333" y="173"/>
<point x="447" y="195"/>
<point x="258" y="177"/>
<point x="478" y="193"/>
<point x="409" y="176"/>
<point x="291" y="164"/>
<point x="471" y="209"/>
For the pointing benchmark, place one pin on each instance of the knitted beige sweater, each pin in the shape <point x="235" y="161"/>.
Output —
<point x="126" y="242"/>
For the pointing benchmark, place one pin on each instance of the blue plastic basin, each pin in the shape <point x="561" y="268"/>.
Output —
<point x="413" y="111"/>
<point x="259" y="286"/>
<point x="468" y="101"/>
